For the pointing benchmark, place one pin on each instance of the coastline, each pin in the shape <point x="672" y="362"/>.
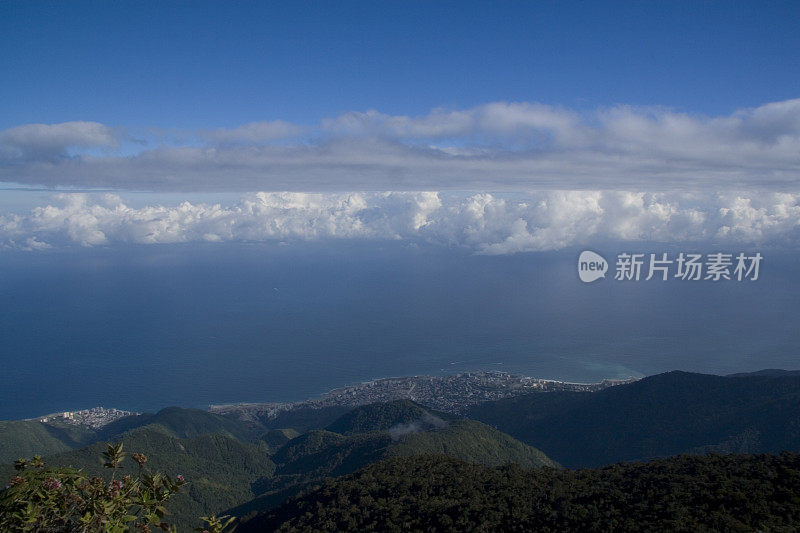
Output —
<point x="450" y="393"/>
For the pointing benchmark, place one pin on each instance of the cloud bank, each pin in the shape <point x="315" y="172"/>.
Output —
<point x="497" y="146"/>
<point x="481" y="222"/>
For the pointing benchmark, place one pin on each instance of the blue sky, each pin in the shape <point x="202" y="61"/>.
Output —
<point x="397" y="162"/>
<point x="221" y="64"/>
<point x="502" y="126"/>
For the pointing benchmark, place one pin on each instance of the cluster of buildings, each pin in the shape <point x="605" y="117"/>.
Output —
<point x="96" y="417"/>
<point x="453" y="394"/>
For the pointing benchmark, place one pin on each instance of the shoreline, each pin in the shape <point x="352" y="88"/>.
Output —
<point x="449" y="393"/>
<point x="424" y="376"/>
<point x="494" y="383"/>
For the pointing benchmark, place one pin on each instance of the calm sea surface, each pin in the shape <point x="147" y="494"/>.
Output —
<point x="149" y="326"/>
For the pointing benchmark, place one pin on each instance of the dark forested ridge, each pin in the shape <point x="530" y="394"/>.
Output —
<point x="658" y="416"/>
<point x="384" y="416"/>
<point x="436" y="493"/>
<point x="250" y="468"/>
<point x="378" y="431"/>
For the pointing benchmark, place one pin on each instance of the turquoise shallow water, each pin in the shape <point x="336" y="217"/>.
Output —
<point x="143" y="327"/>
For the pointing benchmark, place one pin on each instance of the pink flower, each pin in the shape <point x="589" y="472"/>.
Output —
<point x="51" y="483"/>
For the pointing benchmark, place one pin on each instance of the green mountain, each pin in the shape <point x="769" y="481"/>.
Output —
<point x="240" y="466"/>
<point x="221" y="457"/>
<point x="25" y="438"/>
<point x="322" y="453"/>
<point x="437" y="493"/>
<point x="384" y="416"/>
<point x="398" y="428"/>
<point x="220" y="469"/>
<point x="474" y="442"/>
<point x="275" y="438"/>
<point x="182" y="423"/>
<point x="658" y="416"/>
<point x="378" y="431"/>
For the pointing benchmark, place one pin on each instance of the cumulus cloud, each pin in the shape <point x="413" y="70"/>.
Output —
<point x="497" y="146"/>
<point x="482" y="222"/>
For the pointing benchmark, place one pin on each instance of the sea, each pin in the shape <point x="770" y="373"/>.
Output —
<point x="141" y="327"/>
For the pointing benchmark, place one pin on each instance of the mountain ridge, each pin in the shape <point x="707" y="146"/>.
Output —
<point x="658" y="416"/>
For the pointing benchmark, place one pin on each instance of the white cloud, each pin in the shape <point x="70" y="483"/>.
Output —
<point x="424" y="423"/>
<point x="485" y="223"/>
<point x="497" y="146"/>
<point x="49" y="141"/>
<point x="254" y="132"/>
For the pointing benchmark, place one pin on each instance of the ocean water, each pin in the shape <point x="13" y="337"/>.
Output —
<point x="143" y="327"/>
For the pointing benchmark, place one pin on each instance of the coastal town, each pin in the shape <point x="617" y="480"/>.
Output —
<point x="94" y="418"/>
<point x="452" y="394"/>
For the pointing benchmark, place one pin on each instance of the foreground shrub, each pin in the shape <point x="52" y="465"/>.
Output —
<point x="39" y="498"/>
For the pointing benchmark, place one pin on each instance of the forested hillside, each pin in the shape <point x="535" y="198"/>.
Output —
<point x="245" y="468"/>
<point x="658" y="416"/>
<point x="23" y="438"/>
<point x="378" y="431"/>
<point x="436" y="493"/>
